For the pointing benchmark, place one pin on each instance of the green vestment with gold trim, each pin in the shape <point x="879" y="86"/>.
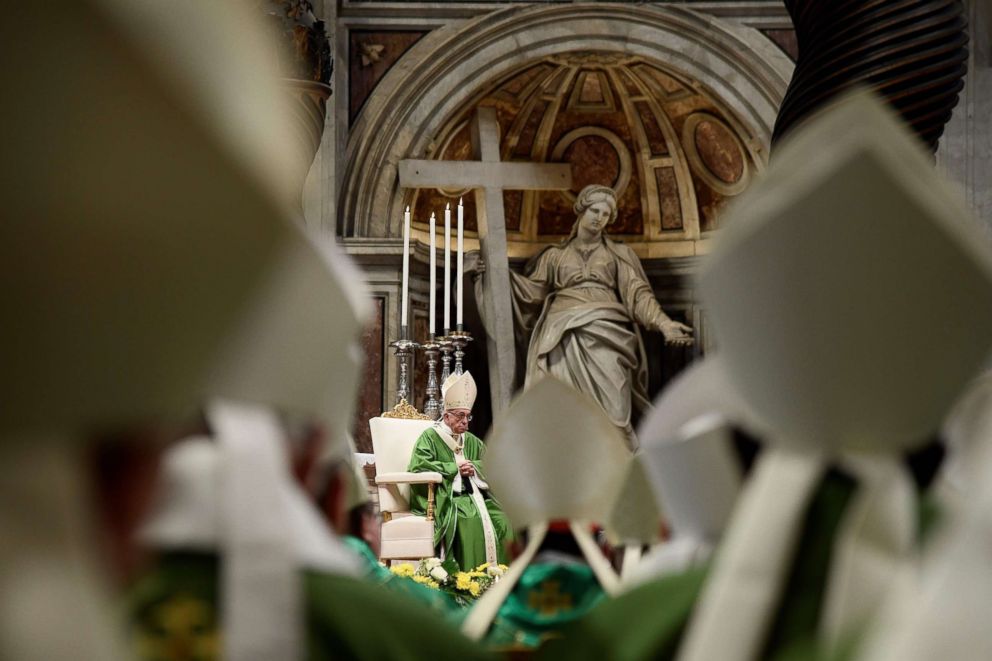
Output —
<point x="547" y="598"/>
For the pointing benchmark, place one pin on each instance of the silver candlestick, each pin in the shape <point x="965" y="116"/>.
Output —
<point x="404" y="348"/>
<point x="447" y="346"/>
<point x="432" y="407"/>
<point x="460" y="338"/>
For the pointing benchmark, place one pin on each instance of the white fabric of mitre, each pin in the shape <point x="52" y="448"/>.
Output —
<point x="261" y="588"/>
<point x="815" y="380"/>
<point x="696" y="477"/>
<point x="701" y="388"/>
<point x="817" y="309"/>
<point x="967" y="430"/>
<point x="186" y="514"/>
<point x="54" y="601"/>
<point x="296" y="348"/>
<point x="553" y="454"/>
<point x="173" y="163"/>
<point x="357" y="487"/>
<point x="459" y="391"/>
<point x="941" y="611"/>
<point x="635" y="517"/>
<point x="670" y="557"/>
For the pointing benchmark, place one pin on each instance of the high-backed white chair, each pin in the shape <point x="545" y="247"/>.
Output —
<point x="405" y="536"/>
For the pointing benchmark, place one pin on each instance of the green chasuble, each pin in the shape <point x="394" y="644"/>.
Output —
<point x="548" y="596"/>
<point x="457" y="524"/>
<point x="174" y="615"/>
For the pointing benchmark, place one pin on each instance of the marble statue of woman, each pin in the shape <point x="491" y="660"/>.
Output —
<point x="584" y="302"/>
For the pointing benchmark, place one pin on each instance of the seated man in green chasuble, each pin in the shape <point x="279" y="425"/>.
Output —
<point x="470" y="525"/>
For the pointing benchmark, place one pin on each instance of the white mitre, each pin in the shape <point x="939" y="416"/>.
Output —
<point x="188" y="512"/>
<point x="943" y="613"/>
<point x="137" y="220"/>
<point x="814" y="290"/>
<point x="689" y="461"/>
<point x="968" y="434"/>
<point x="459" y="391"/>
<point x="296" y="352"/>
<point x="552" y="455"/>
<point x="636" y="517"/>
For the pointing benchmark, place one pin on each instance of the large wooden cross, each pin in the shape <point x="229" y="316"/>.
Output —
<point x="489" y="177"/>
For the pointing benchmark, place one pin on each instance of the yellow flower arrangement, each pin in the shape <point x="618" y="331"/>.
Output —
<point x="474" y="589"/>
<point x="405" y="569"/>
<point x="463" y="581"/>
<point x="425" y="580"/>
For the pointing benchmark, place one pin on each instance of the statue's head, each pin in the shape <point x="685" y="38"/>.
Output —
<point x="594" y="194"/>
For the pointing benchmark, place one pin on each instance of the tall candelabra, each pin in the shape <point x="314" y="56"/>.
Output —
<point x="460" y="339"/>
<point x="432" y="407"/>
<point x="447" y="347"/>
<point x="404" y="348"/>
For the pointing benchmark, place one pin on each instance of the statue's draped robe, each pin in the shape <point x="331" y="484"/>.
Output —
<point x="583" y="312"/>
<point x="459" y="527"/>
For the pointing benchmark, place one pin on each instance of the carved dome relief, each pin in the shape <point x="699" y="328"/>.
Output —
<point x="673" y="152"/>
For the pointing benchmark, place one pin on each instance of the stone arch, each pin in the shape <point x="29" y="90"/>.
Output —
<point x="442" y="71"/>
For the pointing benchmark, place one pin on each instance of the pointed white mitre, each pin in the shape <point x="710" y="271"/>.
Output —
<point x="821" y="287"/>
<point x="553" y="454"/>
<point x="636" y="516"/>
<point x="687" y="449"/>
<point x="296" y="346"/>
<point x="172" y="199"/>
<point x="459" y="391"/>
<point x="701" y="389"/>
<point x="696" y="478"/>
<point x="817" y="292"/>
<point x="968" y="433"/>
<point x="187" y="511"/>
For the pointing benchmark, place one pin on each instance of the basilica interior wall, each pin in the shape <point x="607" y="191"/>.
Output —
<point x="610" y="93"/>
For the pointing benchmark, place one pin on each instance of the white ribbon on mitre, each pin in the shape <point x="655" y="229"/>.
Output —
<point x="834" y="358"/>
<point x="552" y="455"/>
<point x="295" y="352"/>
<point x="262" y="602"/>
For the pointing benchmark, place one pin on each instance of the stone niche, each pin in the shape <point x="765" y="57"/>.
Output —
<point x="672" y="151"/>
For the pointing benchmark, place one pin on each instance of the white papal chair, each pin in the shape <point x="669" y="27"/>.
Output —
<point x="405" y="535"/>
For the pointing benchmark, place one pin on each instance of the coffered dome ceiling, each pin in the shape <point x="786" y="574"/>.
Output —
<point x="673" y="152"/>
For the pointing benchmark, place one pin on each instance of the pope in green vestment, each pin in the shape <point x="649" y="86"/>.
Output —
<point x="470" y="526"/>
<point x="460" y="526"/>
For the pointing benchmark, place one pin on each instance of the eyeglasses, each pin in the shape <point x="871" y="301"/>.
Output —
<point x="467" y="417"/>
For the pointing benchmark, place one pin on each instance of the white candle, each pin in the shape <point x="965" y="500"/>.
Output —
<point x="447" y="268"/>
<point x="433" y="275"/>
<point x="406" y="268"/>
<point x="459" y="272"/>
